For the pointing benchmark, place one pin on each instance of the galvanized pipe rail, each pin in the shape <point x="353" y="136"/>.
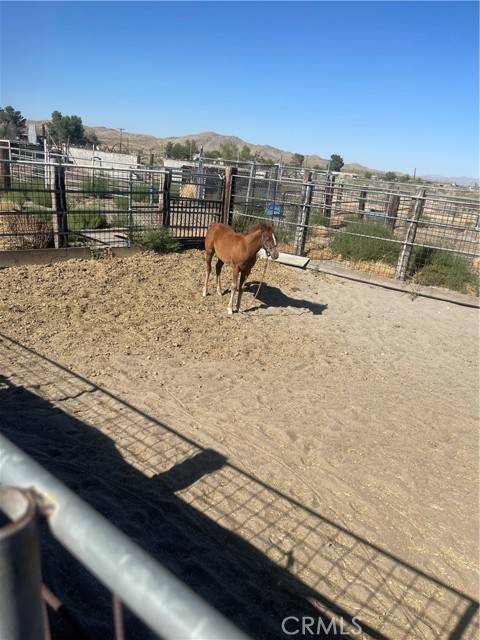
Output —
<point x="155" y="595"/>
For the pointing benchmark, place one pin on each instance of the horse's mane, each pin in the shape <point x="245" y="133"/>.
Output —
<point x="264" y="226"/>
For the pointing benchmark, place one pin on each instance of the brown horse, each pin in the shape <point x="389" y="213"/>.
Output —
<point x="238" y="249"/>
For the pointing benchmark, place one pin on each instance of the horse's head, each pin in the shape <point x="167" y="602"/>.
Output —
<point x="269" y="241"/>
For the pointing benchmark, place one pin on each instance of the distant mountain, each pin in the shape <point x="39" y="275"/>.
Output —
<point x="140" y="142"/>
<point x="210" y="141"/>
<point x="463" y="181"/>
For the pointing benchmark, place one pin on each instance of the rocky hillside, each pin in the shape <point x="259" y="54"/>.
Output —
<point x="209" y="139"/>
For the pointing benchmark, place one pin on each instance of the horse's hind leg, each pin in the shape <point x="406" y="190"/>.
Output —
<point x="233" y="291"/>
<point x="218" y="270"/>
<point x="208" y="264"/>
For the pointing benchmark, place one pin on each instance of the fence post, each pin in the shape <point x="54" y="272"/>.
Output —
<point x="229" y="194"/>
<point x="249" y="186"/>
<point x="59" y="206"/>
<point x="329" y="190"/>
<point x="301" y="231"/>
<point x="21" y="607"/>
<point x="361" y="204"/>
<point x="338" y="200"/>
<point x="406" y="251"/>
<point x="5" y="170"/>
<point x="166" y="198"/>
<point x="130" y="210"/>
<point x="391" y="209"/>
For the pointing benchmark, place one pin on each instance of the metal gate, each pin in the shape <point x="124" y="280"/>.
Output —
<point x="192" y="201"/>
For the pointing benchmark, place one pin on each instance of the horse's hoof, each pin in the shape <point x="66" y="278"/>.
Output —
<point x="204" y="294"/>
<point x="230" y="312"/>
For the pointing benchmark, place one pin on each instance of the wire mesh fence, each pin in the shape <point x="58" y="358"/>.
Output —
<point x="58" y="204"/>
<point x="61" y="204"/>
<point x="402" y="231"/>
<point x="432" y="239"/>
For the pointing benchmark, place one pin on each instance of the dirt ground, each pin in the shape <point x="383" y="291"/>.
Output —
<point x="318" y="453"/>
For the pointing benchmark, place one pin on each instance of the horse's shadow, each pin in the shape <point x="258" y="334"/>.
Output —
<point x="274" y="297"/>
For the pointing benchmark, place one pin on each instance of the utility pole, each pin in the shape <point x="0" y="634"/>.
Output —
<point x="121" y="131"/>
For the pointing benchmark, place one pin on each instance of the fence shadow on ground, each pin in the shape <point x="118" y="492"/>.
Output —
<point x="253" y="552"/>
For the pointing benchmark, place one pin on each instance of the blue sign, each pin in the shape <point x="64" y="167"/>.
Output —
<point x="274" y="209"/>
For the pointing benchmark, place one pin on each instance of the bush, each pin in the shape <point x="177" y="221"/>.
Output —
<point x="30" y="190"/>
<point x="86" y="220"/>
<point x="140" y="192"/>
<point x="446" y="269"/>
<point x="358" y="247"/>
<point x="28" y="231"/>
<point x="95" y="185"/>
<point x="158" y="240"/>
<point x="121" y="203"/>
<point x="119" y="220"/>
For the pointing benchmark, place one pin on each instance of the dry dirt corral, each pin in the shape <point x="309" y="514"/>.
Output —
<point x="318" y="452"/>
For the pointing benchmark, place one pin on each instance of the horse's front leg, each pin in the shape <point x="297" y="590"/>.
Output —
<point x="243" y="277"/>
<point x="236" y="271"/>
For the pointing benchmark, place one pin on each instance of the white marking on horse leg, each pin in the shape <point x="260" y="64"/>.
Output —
<point x="230" y="302"/>
<point x="232" y="294"/>
<point x="274" y="240"/>
<point x="219" y="285"/>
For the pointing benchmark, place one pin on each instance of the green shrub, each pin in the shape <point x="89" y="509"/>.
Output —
<point x="121" y="203"/>
<point x="285" y="233"/>
<point x="95" y="185"/>
<point x="30" y="190"/>
<point x="158" y="240"/>
<point x="359" y="247"/>
<point x="446" y="269"/>
<point x="140" y="191"/>
<point x="318" y="220"/>
<point x="119" y="220"/>
<point x="87" y="220"/>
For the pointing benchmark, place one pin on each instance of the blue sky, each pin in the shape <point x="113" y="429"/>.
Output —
<point x="390" y="85"/>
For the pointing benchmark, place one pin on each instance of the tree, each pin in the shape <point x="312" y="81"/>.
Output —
<point x="297" y="159"/>
<point x="245" y="153"/>
<point x="405" y="178"/>
<point x="264" y="160"/>
<point x="179" y="151"/>
<point x="367" y="174"/>
<point x="68" y="129"/>
<point x="390" y="176"/>
<point x="336" y="162"/>
<point x="214" y="154"/>
<point x="12" y="123"/>
<point x="229" y="151"/>
<point x="91" y="138"/>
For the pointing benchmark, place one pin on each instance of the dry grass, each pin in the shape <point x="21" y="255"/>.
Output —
<point x="30" y="230"/>
<point x="188" y="190"/>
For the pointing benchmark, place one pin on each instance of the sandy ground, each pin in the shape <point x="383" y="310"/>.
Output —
<point x="319" y="453"/>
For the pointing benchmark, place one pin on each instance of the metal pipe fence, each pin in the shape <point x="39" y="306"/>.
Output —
<point x="431" y="239"/>
<point x="150" y="591"/>
<point x="390" y="231"/>
<point x="59" y="204"/>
